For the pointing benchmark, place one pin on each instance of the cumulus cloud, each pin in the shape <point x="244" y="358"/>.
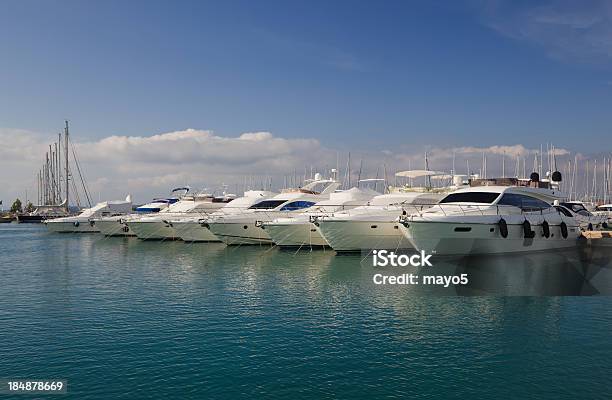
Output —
<point x="148" y="166"/>
<point x="199" y="146"/>
<point x="151" y="165"/>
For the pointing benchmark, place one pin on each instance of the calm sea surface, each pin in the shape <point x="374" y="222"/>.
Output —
<point x="122" y="318"/>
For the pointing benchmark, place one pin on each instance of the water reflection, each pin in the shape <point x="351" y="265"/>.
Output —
<point x="251" y="270"/>
<point x="582" y="271"/>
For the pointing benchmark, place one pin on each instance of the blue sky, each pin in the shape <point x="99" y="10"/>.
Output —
<point x="377" y="74"/>
<point x="393" y="78"/>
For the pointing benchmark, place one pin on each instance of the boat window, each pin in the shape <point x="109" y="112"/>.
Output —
<point x="267" y="204"/>
<point x="564" y="211"/>
<point x="297" y="205"/>
<point x="471" y="197"/>
<point x="523" y="202"/>
<point x="148" y="209"/>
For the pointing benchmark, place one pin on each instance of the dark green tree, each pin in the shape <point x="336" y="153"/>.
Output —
<point x="16" y="207"/>
<point x="29" y="208"/>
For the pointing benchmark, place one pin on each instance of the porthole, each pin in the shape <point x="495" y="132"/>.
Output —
<point x="245" y="227"/>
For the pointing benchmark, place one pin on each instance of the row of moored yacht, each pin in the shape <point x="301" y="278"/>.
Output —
<point x="476" y="216"/>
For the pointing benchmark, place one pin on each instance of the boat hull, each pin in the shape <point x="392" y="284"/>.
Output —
<point x="153" y="230"/>
<point x="452" y="238"/>
<point x="194" y="231"/>
<point x="72" y="226"/>
<point x="303" y="234"/>
<point x="352" y="236"/>
<point x="240" y="233"/>
<point x="32" y="219"/>
<point x="114" y="228"/>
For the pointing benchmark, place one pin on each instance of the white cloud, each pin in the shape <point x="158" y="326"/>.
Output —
<point x="578" y="31"/>
<point x="148" y="166"/>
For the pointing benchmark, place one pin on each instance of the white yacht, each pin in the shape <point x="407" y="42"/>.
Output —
<point x="299" y="230"/>
<point x="604" y="210"/>
<point x="245" y="227"/>
<point x="587" y="220"/>
<point x="85" y="221"/>
<point x="158" y="226"/>
<point x="116" y="225"/>
<point x="195" y="228"/>
<point x="374" y="225"/>
<point x="505" y="215"/>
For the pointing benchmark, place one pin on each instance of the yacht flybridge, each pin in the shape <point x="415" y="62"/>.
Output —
<point x="505" y="215"/>
<point x="85" y="221"/>
<point x="299" y="230"/>
<point x="246" y="227"/>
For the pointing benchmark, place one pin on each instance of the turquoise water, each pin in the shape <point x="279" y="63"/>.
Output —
<point x="121" y="318"/>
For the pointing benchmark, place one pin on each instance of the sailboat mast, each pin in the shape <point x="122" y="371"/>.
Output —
<point x="59" y="167"/>
<point x="66" y="165"/>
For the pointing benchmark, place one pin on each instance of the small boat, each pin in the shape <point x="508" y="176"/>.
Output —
<point x="85" y="221"/>
<point x="43" y="213"/>
<point x="6" y="219"/>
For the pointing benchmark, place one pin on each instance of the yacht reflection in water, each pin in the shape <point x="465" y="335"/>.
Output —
<point x="573" y="272"/>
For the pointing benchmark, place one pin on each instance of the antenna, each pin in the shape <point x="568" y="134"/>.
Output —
<point x="66" y="168"/>
<point x="348" y="171"/>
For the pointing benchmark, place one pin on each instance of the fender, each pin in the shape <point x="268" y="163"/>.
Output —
<point x="503" y="227"/>
<point x="563" y="227"/>
<point x="528" y="233"/>
<point x="546" y="229"/>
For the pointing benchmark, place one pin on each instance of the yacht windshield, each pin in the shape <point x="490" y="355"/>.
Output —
<point x="577" y="208"/>
<point x="267" y="204"/>
<point x="524" y="202"/>
<point x="297" y="205"/>
<point x="471" y="197"/>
